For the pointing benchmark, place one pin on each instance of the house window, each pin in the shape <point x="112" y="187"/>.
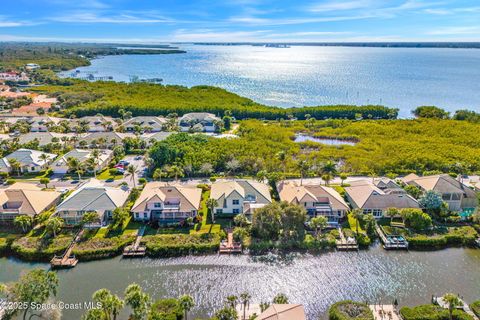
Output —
<point x="157" y="205"/>
<point x="145" y="215"/>
<point x="456" y="196"/>
<point x="236" y="202"/>
<point x="236" y="211"/>
<point x="377" y="212"/>
<point x="219" y="211"/>
<point x="137" y="215"/>
<point x="446" y="196"/>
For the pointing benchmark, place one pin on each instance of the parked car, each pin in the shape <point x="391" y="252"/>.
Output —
<point x="124" y="162"/>
<point x="138" y="158"/>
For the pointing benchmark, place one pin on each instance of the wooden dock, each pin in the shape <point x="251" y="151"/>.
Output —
<point x="230" y="246"/>
<point x="67" y="260"/>
<point x="345" y="244"/>
<point x="388" y="243"/>
<point x="136" y="250"/>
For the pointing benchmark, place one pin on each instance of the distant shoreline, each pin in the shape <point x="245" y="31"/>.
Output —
<point x="444" y="45"/>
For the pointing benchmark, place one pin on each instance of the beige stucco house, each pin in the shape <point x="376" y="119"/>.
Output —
<point x="167" y="203"/>
<point x="316" y="199"/>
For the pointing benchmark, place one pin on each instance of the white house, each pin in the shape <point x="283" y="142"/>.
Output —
<point x="378" y="196"/>
<point x="60" y="166"/>
<point x="239" y="196"/>
<point x="29" y="160"/>
<point x="167" y="203"/>
<point x="457" y="195"/>
<point x="93" y="196"/>
<point x="198" y="122"/>
<point x="145" y="124"/>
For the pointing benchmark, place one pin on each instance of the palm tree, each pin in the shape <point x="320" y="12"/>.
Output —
<point x="187" y="303"/>
<point x="318" y="223"/>
<point x="303" y="166"/>
<point x="452" y="301"/>
<point x="15" y="165"/>
<point x="138" y="301"/>
<point x="24" y="222"/>
<point x="327" y="177"/>
<point x="280" y="299"/>
<point x="329" y="167"/>
<point x="358" y="215"/>
<point x="95" y="156"/>
<point x="74" y="165"/>
<point x="131" y="170"/>
<point x="232" y="301"/>
<point x="245" y="299"/>
<point x="176" y="172"/>
<point x="54" y="225"/>
<point x="211" y="204"/>
<point x="111" y="303"/>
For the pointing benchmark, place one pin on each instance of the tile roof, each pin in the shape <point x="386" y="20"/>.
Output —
<point x="189" y="196"/>
<point x="292" y="193"/>
<point x="34" y="200"/>
<point x="93" y="196"/>
<point x="28" y="157"/>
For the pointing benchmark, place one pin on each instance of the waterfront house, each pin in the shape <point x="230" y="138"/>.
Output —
<point x="239" y="196"/>
<point x="375" y="197"/>
<point x="25" y="199"/>
<point x="167" y="203"/>
<point x="316" y="199"/>
<point x="198" y="122"/>
<point x="29" y="160"/>
<point x="93" y="196"/>
<point x="457" y="195"/>
<point x="60" y="166"/>
<point x="144" y="124"/>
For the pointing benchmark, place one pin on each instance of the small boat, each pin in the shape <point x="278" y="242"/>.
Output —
<point x="478" y="242"/>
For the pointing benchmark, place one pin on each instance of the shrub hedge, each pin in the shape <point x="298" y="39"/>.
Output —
<point x="171" y="245"/>
<point x="459" y="236"/>
<point x="475" y="306"/>
<point x="40" y="249"/>
<point x="100" y="248"/>
<point x="431" y="312"/>
<point x="349" y="310"/>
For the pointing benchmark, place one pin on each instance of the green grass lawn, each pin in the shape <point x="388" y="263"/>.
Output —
<point x="105" y="175"/>
<point x="205" y="228"/>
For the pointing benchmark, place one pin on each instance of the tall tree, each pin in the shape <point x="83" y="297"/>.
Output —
<point x="187" y="303"/>
<point x="54" y="225"/>
<point x="23" y="222"/>
<point x="138" y="301"/>
<point x="131" y="171"/>
<point x="211" y="204"/>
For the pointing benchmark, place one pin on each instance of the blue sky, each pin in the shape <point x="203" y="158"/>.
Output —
<point x="240" y="20"/>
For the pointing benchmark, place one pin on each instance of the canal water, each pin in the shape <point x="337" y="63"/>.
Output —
<point x="374" y="275"/>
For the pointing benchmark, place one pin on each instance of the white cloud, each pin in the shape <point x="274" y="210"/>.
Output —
<point x="339" y="5"/>
<point x="90" y="17"/>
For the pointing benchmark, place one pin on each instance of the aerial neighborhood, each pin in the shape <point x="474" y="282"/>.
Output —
<point x="96" y="170"/>
<point x="138" y="180"/>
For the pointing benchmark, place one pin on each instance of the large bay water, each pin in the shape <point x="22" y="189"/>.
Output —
<point x="317" y="281"/>
<point x="306" y="76"/>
